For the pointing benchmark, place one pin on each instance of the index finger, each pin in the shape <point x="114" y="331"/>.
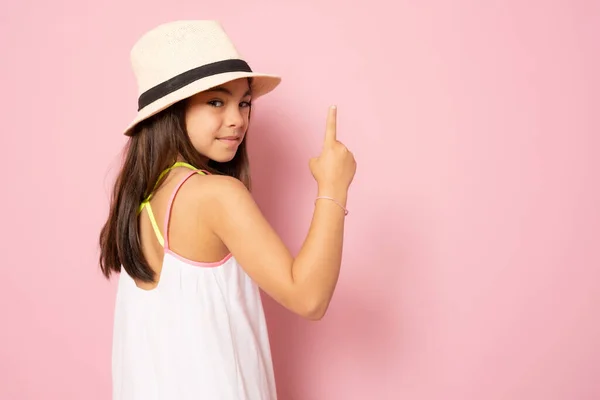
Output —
<point x="331" y="128"/>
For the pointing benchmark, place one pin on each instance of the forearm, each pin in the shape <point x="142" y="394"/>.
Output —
<point x="315" y="270"/>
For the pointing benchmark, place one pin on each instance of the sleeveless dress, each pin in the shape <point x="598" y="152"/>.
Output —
<point x="200" y="334"/>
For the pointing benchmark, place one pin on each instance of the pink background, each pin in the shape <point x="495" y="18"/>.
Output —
<point x="472" y="260"/>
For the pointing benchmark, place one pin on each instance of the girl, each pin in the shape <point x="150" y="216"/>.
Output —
<point x="190" y="244"/>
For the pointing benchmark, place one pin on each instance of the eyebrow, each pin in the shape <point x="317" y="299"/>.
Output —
<point x="227" y="91"/>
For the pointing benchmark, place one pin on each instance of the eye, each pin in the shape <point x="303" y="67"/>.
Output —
<point x="246" y="104"/>
<point x="216" y="103"/>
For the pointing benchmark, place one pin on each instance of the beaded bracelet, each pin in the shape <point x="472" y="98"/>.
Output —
<point x="335" y="201"/>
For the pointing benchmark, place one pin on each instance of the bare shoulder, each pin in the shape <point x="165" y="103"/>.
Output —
<point x="219" y="194"/>
<point x="227" y="205"/>
<point x="217" y="188"/>
<point x="201" y="191"/>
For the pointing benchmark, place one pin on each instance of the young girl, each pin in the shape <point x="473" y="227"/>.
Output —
<point x="190" y="243"/>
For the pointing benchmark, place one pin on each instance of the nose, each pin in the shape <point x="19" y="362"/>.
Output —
<point x="234" y="117"/>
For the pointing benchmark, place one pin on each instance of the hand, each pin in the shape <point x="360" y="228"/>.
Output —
<point x="335" y="167"/>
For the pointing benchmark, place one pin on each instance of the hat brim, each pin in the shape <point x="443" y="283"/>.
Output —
<point x="261" y="85"/>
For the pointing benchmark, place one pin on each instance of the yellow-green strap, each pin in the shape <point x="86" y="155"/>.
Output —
<point x="146" y="202"/>
<point x="162" y="174"/>
<point x="159" y="236"/>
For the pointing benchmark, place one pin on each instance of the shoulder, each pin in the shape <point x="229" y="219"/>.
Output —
<point x="219" y="201"/>
<point x="215" y="189"/>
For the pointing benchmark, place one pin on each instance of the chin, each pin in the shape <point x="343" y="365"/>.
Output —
<point x="223" y="158"/>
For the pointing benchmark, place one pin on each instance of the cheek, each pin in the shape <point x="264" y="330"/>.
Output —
<point x="202" y="138"/>
<point x="201" y="126"/>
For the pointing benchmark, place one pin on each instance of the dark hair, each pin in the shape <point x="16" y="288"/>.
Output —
<point x="154" y="146"/>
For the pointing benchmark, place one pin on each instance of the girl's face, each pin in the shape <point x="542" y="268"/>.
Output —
<point x="217" y="119"/>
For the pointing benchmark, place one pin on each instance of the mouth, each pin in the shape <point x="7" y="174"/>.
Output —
<point x="230" y="139"/>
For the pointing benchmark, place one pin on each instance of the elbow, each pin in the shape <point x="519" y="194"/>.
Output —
<point x="314" y="310"/>
<point x="309" y="303"/>
<point x="316" y="315"/>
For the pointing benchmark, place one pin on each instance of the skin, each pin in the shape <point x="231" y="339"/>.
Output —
<point x="216" y="215"/>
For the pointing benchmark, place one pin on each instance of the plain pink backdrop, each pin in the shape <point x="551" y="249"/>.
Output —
<point x="472" y="261"/>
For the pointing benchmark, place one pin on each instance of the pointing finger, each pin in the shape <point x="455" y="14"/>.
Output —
<point x="330" y="130"/>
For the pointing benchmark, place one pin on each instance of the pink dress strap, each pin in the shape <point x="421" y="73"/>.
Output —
<point x="170" y="205"/>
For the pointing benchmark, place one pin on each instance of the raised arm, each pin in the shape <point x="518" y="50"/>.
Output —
<point x="304" y="284"/>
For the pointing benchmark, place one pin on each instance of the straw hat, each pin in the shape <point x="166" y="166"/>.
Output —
<point x="178" y="59"/>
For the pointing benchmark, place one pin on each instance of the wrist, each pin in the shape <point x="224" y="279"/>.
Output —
<point x="338" y="194"/>
<point x="332" y="201"/>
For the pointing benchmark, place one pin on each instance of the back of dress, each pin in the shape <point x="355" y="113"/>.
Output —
<point x="199" y="334"/>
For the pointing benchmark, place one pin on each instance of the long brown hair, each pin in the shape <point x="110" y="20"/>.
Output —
<point x="155" y="145"/>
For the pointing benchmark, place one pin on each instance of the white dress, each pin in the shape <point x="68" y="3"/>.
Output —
<point x="200" y="334"/>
